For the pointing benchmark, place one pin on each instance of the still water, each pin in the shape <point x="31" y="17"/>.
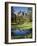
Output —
<point x="20" y="32"/>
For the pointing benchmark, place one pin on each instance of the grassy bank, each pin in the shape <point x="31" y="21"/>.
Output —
<point x="26" y="25"/>
<point x="22" y="36"/>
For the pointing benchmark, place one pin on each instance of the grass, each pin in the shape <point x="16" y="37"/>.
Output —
<point x="23" y="36"/>
<point x="26" y="25"/>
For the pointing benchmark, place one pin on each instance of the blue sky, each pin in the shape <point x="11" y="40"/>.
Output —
<point x="23" y="9"/>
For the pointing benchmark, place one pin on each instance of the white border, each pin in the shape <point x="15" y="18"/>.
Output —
<point x="9" y="22"/>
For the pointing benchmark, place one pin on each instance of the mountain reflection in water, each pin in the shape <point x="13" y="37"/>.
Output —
<point x="20" y="32"/>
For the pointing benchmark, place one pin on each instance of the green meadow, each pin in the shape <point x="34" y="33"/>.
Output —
<point x="23" y="26"/>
